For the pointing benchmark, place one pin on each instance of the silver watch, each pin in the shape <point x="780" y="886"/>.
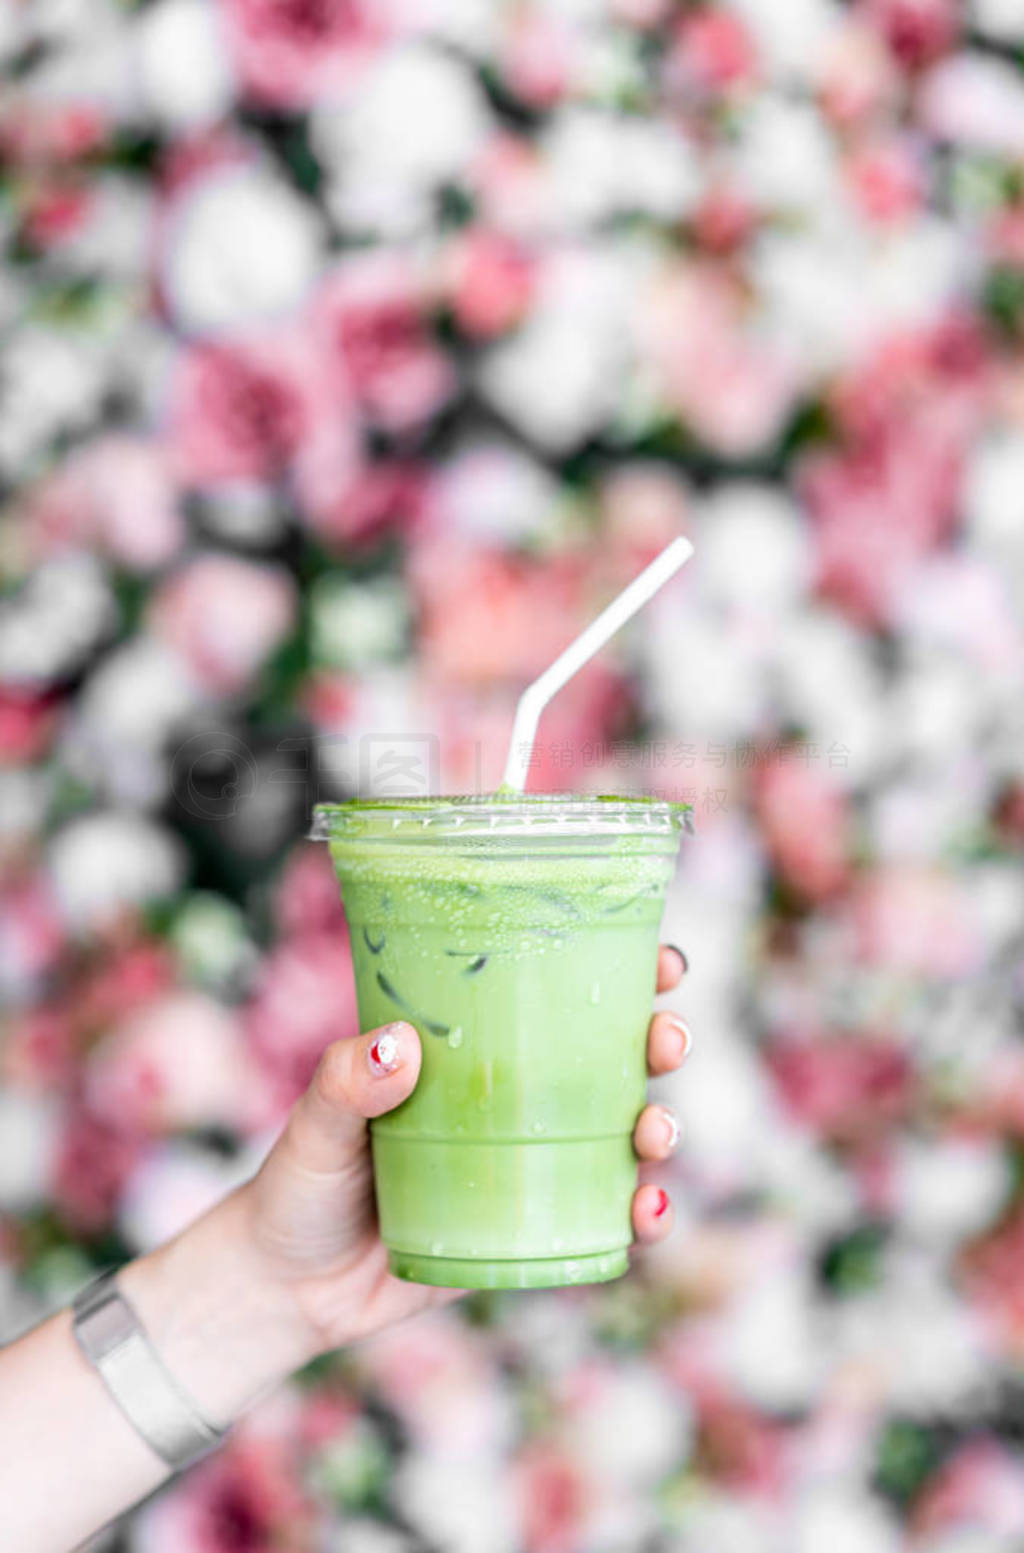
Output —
<point x="114" y="1341"/>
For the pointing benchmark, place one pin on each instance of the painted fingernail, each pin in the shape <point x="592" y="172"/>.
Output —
<point x="385" y="1055"/>
<point x="684" y="962"/>
<point x="672" y="1129"/>
<point x="684" y="1031"/>
<point x="662" y="1203"/>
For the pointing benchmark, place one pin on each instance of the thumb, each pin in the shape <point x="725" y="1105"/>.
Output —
<point x="356" y="1078"/>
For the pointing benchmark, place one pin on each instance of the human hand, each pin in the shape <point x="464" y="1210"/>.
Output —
<point x="311" y="1212"/>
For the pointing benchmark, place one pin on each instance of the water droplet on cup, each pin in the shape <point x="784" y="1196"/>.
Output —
<point x="455" y="1037"/>
<point x="437" y="1248"/>
<point x="595" y="992"/>
<point x="557" y="1243"/>
<point x="539" y="1127"/>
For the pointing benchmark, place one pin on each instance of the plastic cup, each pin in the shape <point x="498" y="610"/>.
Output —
<point x="519" y="935"/>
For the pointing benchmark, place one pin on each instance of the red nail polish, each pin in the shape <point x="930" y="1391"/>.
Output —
<point x="385" y="1054"/>
<point x="662" y="1203"/>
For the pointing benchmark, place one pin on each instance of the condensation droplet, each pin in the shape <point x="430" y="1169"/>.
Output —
<point x="538" y="1127"/>
<point x="437" y="1248"/>
<point x="557" y="1243"/>
<point x="455" y="1037"/>
<point x="595" y="992"/>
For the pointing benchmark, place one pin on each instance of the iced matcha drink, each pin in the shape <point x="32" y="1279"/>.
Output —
<point x="520" y="937"/>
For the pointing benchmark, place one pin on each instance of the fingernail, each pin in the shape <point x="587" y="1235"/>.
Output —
<point x="682" y="958"/>
<point x="662" y="1203"/>
<point x="672" y="1127"/>
<point x="684" y="1031"/>
<point x="385" y="1055"/>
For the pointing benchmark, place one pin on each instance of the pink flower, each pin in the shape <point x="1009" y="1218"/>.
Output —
<point x="724" y="220"/>
<point x="917" y="31"/>
<point x="125" y="980"/>
<point x="992" y="1270"/>
<point x="915" y="920"/>
<point x="371" y="318"/>
<point x="94" y="1163"/>
<point x="225" y="616"/>
<point x="981" y="1486"/>
<point x="739" y="1447"/>
<point x="439" y="1378"/>
<point x="56" y="213"/>
<point x="805" y="825"/>
<point x="116" y="495"/>
<point x="554" y="1495"/>
<point x="492" y="282"/>
<point x="241" y="410"/>
<point x="859" y="79"/>
<point x="31" y="932"/>
<point x="848" y="1089"/>
<point x="36" y="130"/>
<point x="537" y="56"/>
<point x="712" y="54"/>
<point x="178" y="1063"/>
<point x="307" y="899"/>
<point x="1004" y="242"/>
<point x="733" y="389"/>
<point x="289" y="53"/>
<point x="887" y="180"/>
<point x="360" y="503"/>
<point x="247" y="1498"/>
<point x="304" y="1000"/>
<point x="27" y="724"/>
<point x="890" y="494"/>
<point x="38" y="1051"/>
<point x="488" y="617"/>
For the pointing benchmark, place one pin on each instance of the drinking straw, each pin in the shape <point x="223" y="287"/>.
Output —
<point x="536" y="696"/>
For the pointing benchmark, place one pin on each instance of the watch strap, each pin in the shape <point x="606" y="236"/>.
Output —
<point x="114" y="1341"/>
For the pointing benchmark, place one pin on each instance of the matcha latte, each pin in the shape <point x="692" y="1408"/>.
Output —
<point x="519" y="935"/>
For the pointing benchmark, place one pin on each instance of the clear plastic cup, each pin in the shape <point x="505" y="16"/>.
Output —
<point x="519" y="935"/>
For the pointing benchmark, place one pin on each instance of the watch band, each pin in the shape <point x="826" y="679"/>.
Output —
<point x="113" y="1339"/>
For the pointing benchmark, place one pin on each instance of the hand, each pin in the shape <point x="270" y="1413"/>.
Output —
<point x="310" y="1209"/>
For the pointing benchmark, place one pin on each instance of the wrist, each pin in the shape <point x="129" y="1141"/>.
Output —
<point x="224" y="1326"/>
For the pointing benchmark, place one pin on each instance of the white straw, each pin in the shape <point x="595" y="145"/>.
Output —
<point x="536" y="696"/>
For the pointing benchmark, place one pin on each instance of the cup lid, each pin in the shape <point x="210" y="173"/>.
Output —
<point x="488" y="814"/>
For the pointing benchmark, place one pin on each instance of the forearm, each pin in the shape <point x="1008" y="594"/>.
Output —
<point x="69" y="1460"/>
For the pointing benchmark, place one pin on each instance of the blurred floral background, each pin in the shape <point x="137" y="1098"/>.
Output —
<point x="351" y="355"/>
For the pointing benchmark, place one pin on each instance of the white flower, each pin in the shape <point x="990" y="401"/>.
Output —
<point x="926" y="1346"/>
<point x="462" y="1506"/>
<point x="64" y="610"/>
<point x="354" y="624"/>
<point x="173" y="1185"/>
<point x="706" y="680"/>
<point x="240" y="247"/>
<point x="724" y="1524"/>
<point x="635" y="1428"/>
<point x="105" y="862"/>
<point x="52" y="383"/>
<point x="817" y="651"/>
<point x="127" y="710"/>
<point x="1002" y="20"/>
<point x="950" y="1189"/>
<point x="791" y="38"/>
<point x="29" y="1131"/>
<point x="752" y="549"/>
<point x="602" y="163"/>
<point x="184" y="70"/>
<point x="844" y="1521"/>
<point x="994" y="506"/>
<point x="786" y="158"/>
<point x="770" y="1342"/>
<point x="495" y="492"/>
<point x="724" y="1106"/>
<point x="415" y="121"/>
<point x="558" y="378"/>
<point x="975" y="101"/>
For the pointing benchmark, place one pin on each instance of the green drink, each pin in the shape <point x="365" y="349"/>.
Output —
<point x="519" y="935"/>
